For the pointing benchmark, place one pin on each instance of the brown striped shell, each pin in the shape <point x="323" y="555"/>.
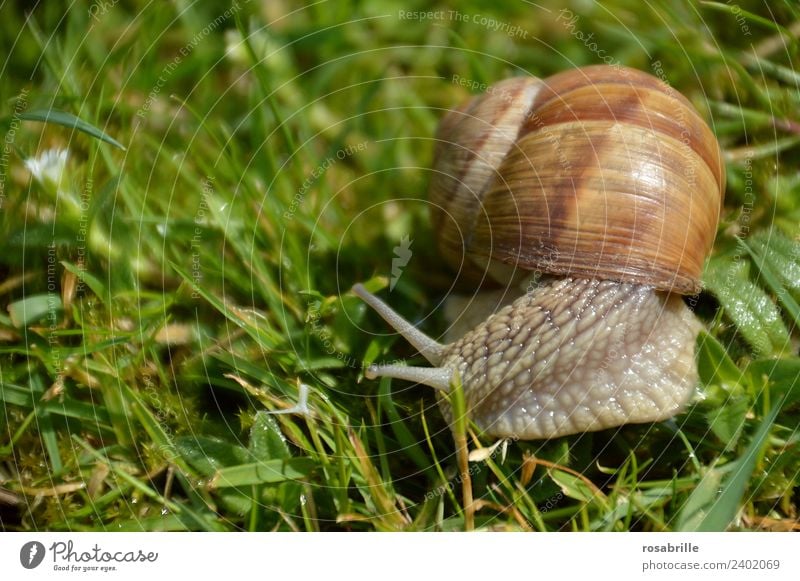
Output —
<point x="599" y="172"/>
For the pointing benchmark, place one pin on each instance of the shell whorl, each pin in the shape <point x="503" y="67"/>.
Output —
<point x="599" y="172"/>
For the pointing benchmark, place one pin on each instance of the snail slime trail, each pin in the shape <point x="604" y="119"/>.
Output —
<point x="594" y="196"/>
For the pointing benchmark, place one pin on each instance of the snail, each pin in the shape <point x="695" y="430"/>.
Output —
<point x="594" y="195"/>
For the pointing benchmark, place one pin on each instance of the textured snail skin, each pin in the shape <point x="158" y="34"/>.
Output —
<point x="577" y="355"/>
<point x="570" y="356"/>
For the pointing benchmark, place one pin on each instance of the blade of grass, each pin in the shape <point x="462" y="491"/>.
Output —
<point x="57" y="117"/>
<point x="735" y="11"/>
<point x="400" y="429"/>
<point x="44" y="423"/>
<point x="94" y="283"/>
<point x="264" y="472"/>
<point x="716" y="501"/>
<point x="459" y="427"/>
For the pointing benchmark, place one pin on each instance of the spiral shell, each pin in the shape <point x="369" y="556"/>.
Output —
<point x="598" y="172"/>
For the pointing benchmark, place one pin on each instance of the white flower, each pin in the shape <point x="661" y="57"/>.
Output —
<point x="48" y="168"/>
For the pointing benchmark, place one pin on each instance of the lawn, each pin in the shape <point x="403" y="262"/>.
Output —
<point x="188" y="191"/>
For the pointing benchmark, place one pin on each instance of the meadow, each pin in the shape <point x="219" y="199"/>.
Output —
<point x="188" y="191"/>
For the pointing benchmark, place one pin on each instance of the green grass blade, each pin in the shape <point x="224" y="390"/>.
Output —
<point x="34" y="308"/>
<point x="402" y="433"/>
<point x="735" y="11"/>
<point x="716" y="501"/>
<point x="714" y="365"/>
<point x="94" y="283"/>
<point x="268" y="472"/>
<point x="264" y="335"/>
<point x="69" y="120"/>
<point x="45" y="425"/>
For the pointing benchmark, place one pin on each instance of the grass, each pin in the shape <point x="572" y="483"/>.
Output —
<point x="232" y="173"/>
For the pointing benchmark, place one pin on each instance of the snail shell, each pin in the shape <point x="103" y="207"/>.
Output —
<point x="600" y="172"/>
<point x="607" y="185"/>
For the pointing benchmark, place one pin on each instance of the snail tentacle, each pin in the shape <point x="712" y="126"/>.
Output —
<point x="438" y="378"/>
<point x="429" y="348"/>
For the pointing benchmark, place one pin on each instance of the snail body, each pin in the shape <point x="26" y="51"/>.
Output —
<point x="600" y="189"/>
